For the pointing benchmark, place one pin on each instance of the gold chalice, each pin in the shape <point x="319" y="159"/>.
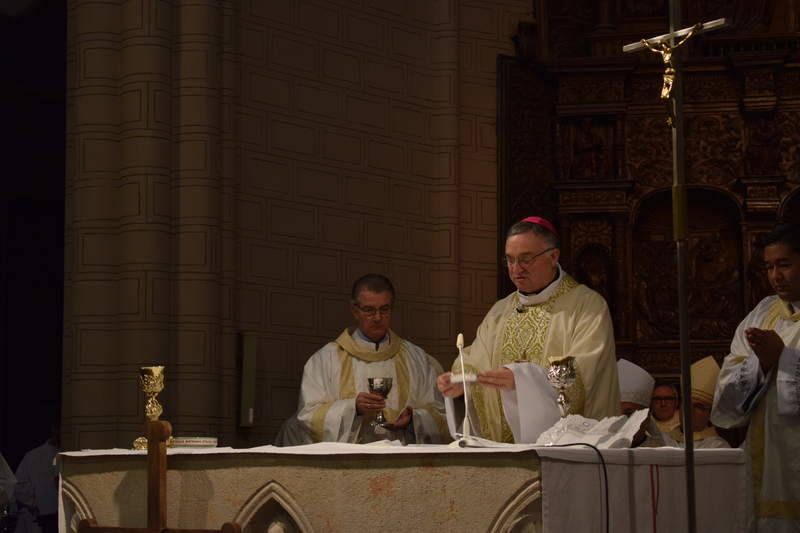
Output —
<point x="380" y="386"/>
<point x="151" y="379"/>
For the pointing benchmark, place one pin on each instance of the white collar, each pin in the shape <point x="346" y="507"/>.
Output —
<point x="544" y="294"/>
<point x="365" y="342"/>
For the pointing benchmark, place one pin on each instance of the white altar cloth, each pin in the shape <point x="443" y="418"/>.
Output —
<point x="563" y="486"/>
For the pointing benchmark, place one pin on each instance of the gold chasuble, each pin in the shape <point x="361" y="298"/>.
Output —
<point x="573" y="321"/>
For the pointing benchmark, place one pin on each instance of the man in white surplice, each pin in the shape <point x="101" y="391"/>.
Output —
<point x="335" y="403"/>
<point x="548" y="318"/>
<point x="760" y="383"/>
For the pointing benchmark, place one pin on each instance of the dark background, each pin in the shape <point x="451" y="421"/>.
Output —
<point x="32" y="92"/>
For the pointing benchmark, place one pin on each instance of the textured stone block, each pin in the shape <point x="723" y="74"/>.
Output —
<point x="341" y="147"/>
<point x="269" y="90"/>
<point x="382" y="235"/>
<point x="410" y="43"/>
<point x="340" y="229"/>
<point x="477" y="172"/>
<point x="290" y="310"/>
<point x="480" y="97"/>
<point x="431" y="87"/>
<point x="253" y="129"/>
<point x="266" y="174"/>
<point x="269" y="262"/>
<point x="106" y="297"/>
<point x="291" y="221"/>
<point x="319" y="19"/>
<point x="99" y="155"/>
<point x="406" y="199"/>
<point x="317" y="100"/>
<point x="370" y="112"/>
<point x="293" y="53"/>
<point x="293" y="137"/>
<point x="478" y="18"/>
<point x="370" y="33"/>
<point x="444" y="126"/>
<point x="437" y="165"/>
<point x="317" y="184"/>
<point x="250" y="305"/>
<point x="478" y="249"/>
<point x="341" y="66"/>
<point x="318" y="269"/>
<point x="366" y="192"/>
<point x="434" y="243"/>
<point x="408" y="121"/>
<point x="98" y="63"/>
<point x="385" y="155"/>
<point x="386" y="76"/>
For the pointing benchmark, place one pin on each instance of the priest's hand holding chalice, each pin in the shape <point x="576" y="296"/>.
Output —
<point x="374" y="402"/>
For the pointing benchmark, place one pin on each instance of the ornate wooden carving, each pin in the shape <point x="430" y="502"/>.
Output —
<point x="583" y="139"/>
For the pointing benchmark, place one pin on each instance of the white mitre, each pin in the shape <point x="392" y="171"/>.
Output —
<point x="635" y="383"/>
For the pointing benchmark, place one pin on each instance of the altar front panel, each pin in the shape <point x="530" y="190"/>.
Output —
<point x="341" y="492"/>
<point x="342" y="487"/>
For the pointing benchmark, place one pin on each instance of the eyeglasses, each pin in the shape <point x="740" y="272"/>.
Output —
<point x="664" y="399"/>
<point x="701" y="406"/>
<point x="524" y="260"/>
<point x="372" y="311"/>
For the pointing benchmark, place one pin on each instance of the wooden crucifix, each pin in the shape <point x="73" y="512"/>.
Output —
<point x="672" y="96"/>
<point x="157" y="432"/>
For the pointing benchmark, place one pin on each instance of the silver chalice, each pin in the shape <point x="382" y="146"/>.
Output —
<point x="380" y="386"/>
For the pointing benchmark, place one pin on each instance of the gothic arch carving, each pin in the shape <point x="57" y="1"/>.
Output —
<point x="272" y="506"/>
<point x="76" y="508"/>
<point x="523" y="513"/>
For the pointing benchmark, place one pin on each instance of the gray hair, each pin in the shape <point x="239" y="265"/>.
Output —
<point x="550" y="238"/>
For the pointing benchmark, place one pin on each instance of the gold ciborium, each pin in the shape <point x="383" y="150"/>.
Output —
<point x="151" y="379"/>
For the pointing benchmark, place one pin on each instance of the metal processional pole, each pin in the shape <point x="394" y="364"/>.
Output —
<point x="672" y="96"/>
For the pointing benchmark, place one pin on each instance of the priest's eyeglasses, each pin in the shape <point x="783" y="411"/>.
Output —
<point x="372" y="311"/>
<point x="524" y="260"/>
<point x="664" y="399"/>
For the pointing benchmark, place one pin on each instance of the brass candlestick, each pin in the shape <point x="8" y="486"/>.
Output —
<point x="151" y="379"/>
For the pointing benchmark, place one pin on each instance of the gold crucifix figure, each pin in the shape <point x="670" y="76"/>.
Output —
<point x="661" y="45"/>
<point x="666" y="50"/>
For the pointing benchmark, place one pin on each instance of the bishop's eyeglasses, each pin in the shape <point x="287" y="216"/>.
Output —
<point x="372" y="311"/>
<point x="524" y="260"/>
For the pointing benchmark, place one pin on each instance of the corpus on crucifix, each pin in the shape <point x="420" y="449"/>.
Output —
<point x="671" y="95"/>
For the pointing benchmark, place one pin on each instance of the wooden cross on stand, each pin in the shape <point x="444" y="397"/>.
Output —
<point x="672" y="96"/>
<point x="157" y="433"/>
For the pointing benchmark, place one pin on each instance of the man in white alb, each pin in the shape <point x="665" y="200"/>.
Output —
<point x="759" y="384"/>
<point x="548" y="318"/>
<point x="335" y="403"/>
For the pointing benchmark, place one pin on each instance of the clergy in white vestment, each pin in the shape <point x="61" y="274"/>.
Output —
<point x="335" y="402"/>
<point x="37" y="488"/>
<point x="704" y="382"/>
<point x="635" y="387"/>
<point x="759" y="384"/>
<point x="664" y="407"/>
<point x="548" y="318"/>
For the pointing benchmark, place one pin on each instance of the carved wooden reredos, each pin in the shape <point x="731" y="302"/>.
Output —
<point x="583" y="139"/>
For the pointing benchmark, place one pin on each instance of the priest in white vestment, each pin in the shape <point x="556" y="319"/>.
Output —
<point x="759" y="384"/>
<point x="704" y="382"/>
<point x="335" y="402"/>
<point x="548" y="318"/>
